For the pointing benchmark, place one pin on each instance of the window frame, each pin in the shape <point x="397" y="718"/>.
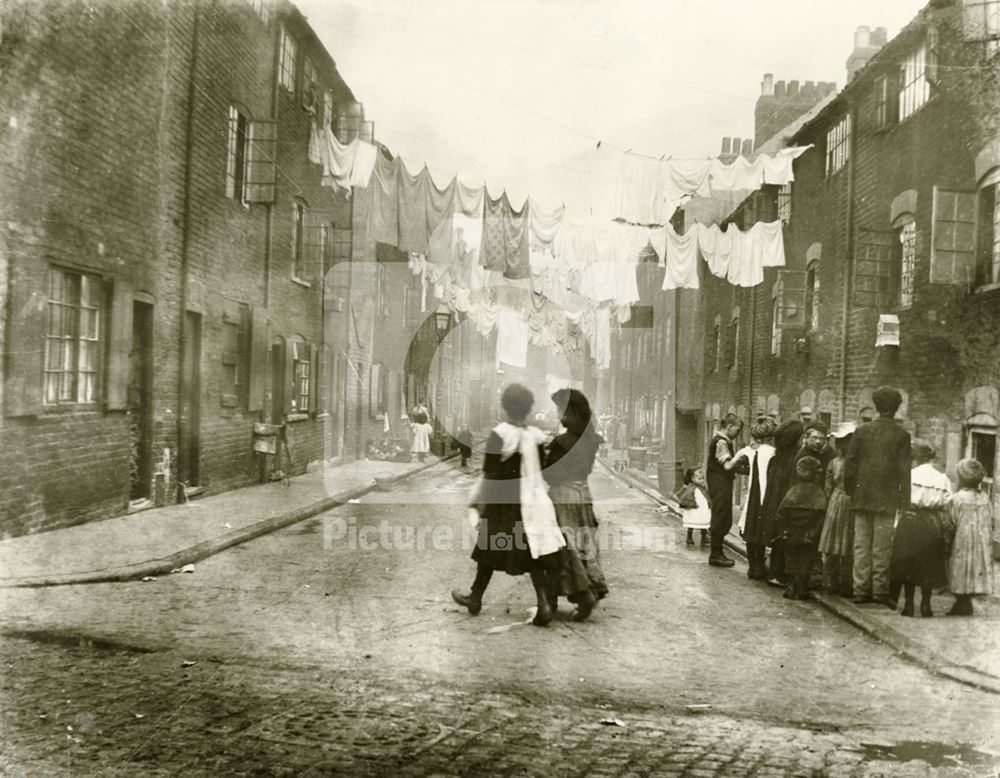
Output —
<point x="813" y="295"/>
<point x="717" y="344"/>
<point x="734" y="340"/>
<point x="838" y="145"/>
<point x="783" y="203"/>
<point x="71" y="352"/>
<point x="987" y="257"/>
<point x="906" y="261"/>
<point x="310" y="83"/>
<point x="299" y="210"/>
<point x="914" y="82"/>
<point x="775" y="326"/>
<point x="301" y="388"/>
<point x="237" y="153"/>
<point x="288" y="51"/>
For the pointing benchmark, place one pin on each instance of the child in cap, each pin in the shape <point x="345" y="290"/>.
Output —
<point x="800" y="521"/>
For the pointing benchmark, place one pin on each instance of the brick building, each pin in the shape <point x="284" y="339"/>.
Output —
<point x="164" y="244"/>
<point x="892" y="235"/>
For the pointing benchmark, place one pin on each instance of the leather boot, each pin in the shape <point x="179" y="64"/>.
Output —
<point x="543" y="614"/>
<point x="473" y="601"/>
<point x="584" y="606"/>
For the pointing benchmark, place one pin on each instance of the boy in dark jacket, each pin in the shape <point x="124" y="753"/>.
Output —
<point x="800" y="520"/>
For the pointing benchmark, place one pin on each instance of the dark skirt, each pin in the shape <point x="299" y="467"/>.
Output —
<point x="580" y="561"/>
<point x="919" y="555"/>
<point x="502" y="544"/>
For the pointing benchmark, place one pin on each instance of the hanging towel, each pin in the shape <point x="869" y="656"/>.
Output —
<point x="492" y="253"/>
<point x="413" y="196"/>
<point x="315" y="143"/>
<point x="512" y="338"/>
<point x="515" y="238"/>
<point x="681" y="270"/>
<point x="363" y="163"/>
<point x="769" y="237"/>
<point x="382" y="217"/>
<point x="538" y="515"/>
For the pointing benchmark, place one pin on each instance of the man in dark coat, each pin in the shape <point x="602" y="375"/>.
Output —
<point x="815" y="444"/>
<point x="877" y="478"/>
<point x="720" y="472"/>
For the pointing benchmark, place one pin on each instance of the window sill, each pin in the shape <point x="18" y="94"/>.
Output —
<point x="75" y="408"/>
<point x="297" y="417"/>
<point x="986" y="288"/>
<point x="301" y="282"/>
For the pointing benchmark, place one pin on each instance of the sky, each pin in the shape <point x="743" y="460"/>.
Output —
<point x="518" y="93"/>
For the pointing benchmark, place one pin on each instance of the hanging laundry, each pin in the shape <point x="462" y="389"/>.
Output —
<point x="344" y="165"/>
<point x="650" y="190"/>
<point x="602" y="337"/>
<point x="315" y="143"/>
<point x="512" y="338"/>
<point x="740" y="257"/>
<point x="515" y="237"/>
<point x="492" y="253"/>
<point x="413" y="197"/>
<point x="365" y="156"/>
<point x="769" y="241"/>
<point x="681" y="260"/>
<point x="460" y="233"/>
<point x="382" y="202"/>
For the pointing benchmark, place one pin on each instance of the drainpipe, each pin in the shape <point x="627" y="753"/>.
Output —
<point x="751" y="406"/>
<point x="849" y="270"/>
<point x="186" y="234"/>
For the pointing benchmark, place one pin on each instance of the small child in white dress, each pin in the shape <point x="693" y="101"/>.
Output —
<point x="695" y="509"/>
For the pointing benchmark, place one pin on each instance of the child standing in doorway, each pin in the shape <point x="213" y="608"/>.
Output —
<point x="971" y="567"/>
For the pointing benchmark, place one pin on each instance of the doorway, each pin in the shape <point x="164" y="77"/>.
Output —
<point x="140" y="406"/>
<point x="189" y="445"/>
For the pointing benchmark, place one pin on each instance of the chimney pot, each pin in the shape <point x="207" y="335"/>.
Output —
<point x="726" y="145"/>
<point x="767" y="85"/>
<point x="793" y="88"/>
<point x="862" y="37"/>
<point x="880" y="37"/>
<point x="779" y="89"/>
<point x="747" y="149"/>
<point x="809" y="87"/>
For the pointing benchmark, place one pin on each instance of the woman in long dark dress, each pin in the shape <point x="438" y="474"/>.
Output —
<point x="568" y="464"/>
<point x="502" y="543"/>
<point x="919" y="546"/>
<point x="780" y="476"/>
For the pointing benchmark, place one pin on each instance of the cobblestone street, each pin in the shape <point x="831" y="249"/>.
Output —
<point x="292" y="655"/>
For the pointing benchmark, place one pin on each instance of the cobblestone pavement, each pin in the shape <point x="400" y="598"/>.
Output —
<point x="311" y="658"/>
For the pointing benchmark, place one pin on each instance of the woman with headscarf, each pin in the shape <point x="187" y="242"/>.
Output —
<point x="518" y="532"/>
<point x="920" y="541"/>
<point x="751" y="523"/>
<point x="780" y="476"/>
<point x="568" y="464"/>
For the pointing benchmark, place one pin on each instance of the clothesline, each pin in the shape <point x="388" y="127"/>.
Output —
<point x="552" y="277"/>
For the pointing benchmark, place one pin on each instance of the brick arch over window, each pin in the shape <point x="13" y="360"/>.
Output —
<point x="807" y="399"/>
<point x="865" y="401"/>
<point x="903" y="204"/>
<point x="982" y="400"/>
<point x="987" y="159"/>
<point x="814" y="253"/>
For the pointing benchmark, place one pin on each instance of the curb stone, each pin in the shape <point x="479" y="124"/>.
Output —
<point x="897" y="641"/>
<point x="211" y="547"/>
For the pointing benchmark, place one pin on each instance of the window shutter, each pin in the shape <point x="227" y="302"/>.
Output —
<point x="119" y="345"/>
<point x="873" y="269"/>
<point x="260" y="166"/>
<point x="257" y="374"/>
<point x="314" y="379"/>
<point x="25" y="342"/>
<point x="791" y="295"/>
<point x="290" y="389"/>
<point x="953" y="237"/>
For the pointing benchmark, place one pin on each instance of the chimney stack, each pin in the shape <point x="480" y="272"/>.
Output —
<point x="767" y="85"/>
<point x="866" y="46"/>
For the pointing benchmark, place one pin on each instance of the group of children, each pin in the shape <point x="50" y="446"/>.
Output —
<point x="802" y="509"/>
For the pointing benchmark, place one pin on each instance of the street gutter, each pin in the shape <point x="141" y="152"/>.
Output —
<point x="898" y="642"/>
